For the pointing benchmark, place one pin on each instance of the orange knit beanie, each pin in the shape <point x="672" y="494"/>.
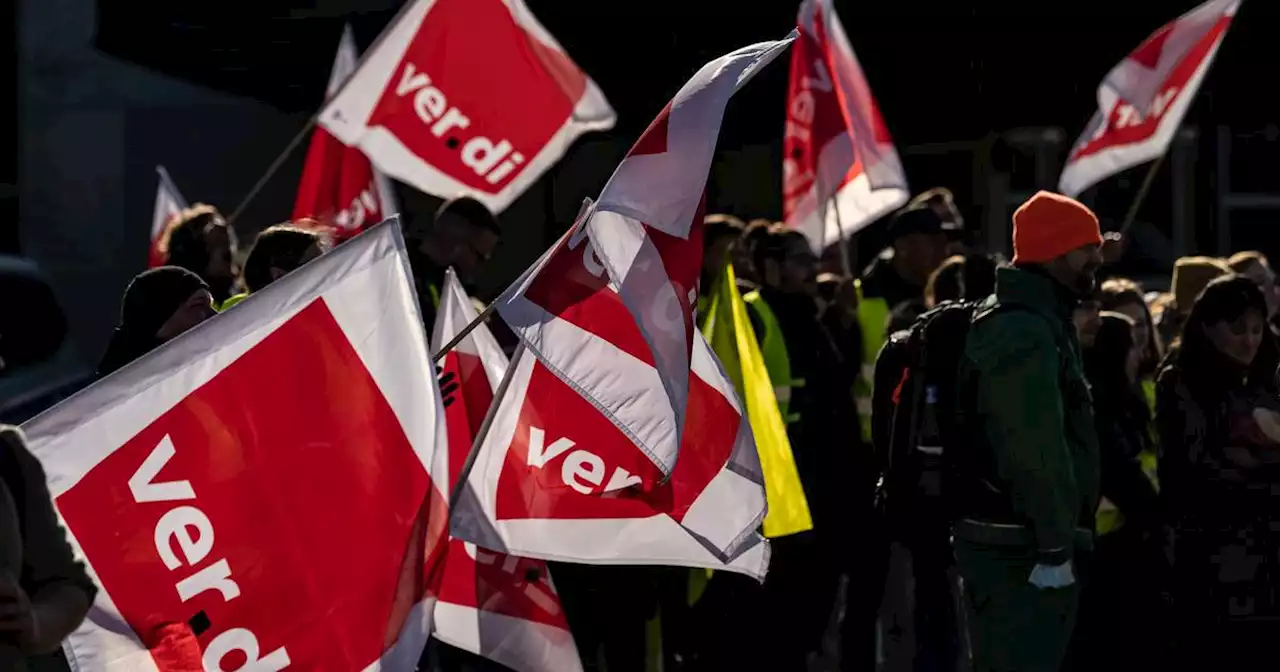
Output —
<point x="1050" y="225"/>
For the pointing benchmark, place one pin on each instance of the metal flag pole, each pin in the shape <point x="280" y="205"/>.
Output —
<point x="306" y="128"/>
<point x="844" y="246"/>
<point x="1142" y="191"/>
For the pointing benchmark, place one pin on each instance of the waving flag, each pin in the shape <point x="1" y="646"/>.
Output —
<point x="1142" y="101"/>
<point x="227" y="515"/>
<point x="614" y="319"/>
<point x="339" y="187"/>
<point x="169" y="204"/>
<point x="840" y="169"/>
<point x="467" y="97"/>
<point x="554" y="476"/>
<point x="502" y="607"/>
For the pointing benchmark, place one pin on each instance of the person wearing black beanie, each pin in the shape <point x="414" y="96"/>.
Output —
<point x="158" y="305"/>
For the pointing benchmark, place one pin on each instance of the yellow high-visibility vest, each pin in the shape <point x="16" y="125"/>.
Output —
<point x="773" y="346"/>
<point x="231" y="301"/>
<point x="873" y="320"/>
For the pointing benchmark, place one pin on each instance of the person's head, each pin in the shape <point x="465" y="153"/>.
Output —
<point x="1060" y="235"/>
<point x="200" y="241"/>
<point x="919" y="238"/>
<point x="1228" y="318"/>
<point x="1190" y="276"/>
<point x="1086" y="318"/>
<point x="165" y="302"/>
<point x="1115" y="356"/>
<point x="785" y="261"/>
<point x="719" y="235"/>
<point x="464" y="235"/>
<point x="943" y="204"/>
<point x="1254" y="265"/>
<point x="158" y="306"/>
<point x="279" y="250"/>
<point x="946" y="283"/>
<point x="1124" y="296"/>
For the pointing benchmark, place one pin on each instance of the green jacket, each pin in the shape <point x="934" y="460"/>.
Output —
<point x="1030" y="415"/>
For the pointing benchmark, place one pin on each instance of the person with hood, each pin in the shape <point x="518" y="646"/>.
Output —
<point x="1027" y="485"/>
<point x="44" y="592"/>
<point x="158" y="305"/>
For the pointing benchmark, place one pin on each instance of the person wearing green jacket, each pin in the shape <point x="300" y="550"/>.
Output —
<point x="1029" y="477"/>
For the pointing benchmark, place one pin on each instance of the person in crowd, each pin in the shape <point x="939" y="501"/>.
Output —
<point x="1124" y="296"/>
<point x="1190" y="276"/>
<point x="464" y="236"/>
<point x="943" y="203"/>
<point x="805" y="568"/>
<point x="1218" y="429"/>
<point x="1027" y="491"/>
<point x="1118" y="627"/>
<point x="159" y="305"/>
<point x="919" y="239"/>
<point x="45" y="593"/>
<point x="1086" y="318"/>
<point x="200" y="241"/>
<point x="277" y="251"/>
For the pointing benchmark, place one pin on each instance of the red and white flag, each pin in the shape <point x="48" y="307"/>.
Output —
<point x="169" y="204"/>
<point x="840" y="170"/>
<point x="339" y="187"/>
<point x="1142" y="101"/>
<point x="257" y="489"/>
<point x="553" y="478"/>
<point x="614" y="320"/>
<point x="502" y="607"/>
<point x="467" y="97"/>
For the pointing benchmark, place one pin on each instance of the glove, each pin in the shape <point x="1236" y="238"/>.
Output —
<point x="1052" y="576"/>
<point x="448" y="385"/>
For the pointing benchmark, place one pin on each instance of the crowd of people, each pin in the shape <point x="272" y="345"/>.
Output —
<point x="1078" y="472"/>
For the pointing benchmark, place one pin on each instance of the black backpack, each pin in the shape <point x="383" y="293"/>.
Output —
<point x="914" y="408"/>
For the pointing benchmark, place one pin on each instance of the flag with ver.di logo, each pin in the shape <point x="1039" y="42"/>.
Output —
<point x="467" y="97"/>
<point x="256" y="494"/>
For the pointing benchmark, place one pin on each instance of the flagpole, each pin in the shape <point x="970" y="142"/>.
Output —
<point x="465" y="331"/>
<point x="583" y="212"/>
<point x="297" y="139"/>
<point x="844" y="247"/>
<point x="1142" y="191"/>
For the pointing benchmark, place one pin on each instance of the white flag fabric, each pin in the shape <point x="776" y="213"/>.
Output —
<point x="840" y="169"/>
<point x="645" y="258"/>
<point x="300" y="428"/>
<point x="169" y="204"/>
<point x="1142" y="101"/>
<point x="557" y="479"/>
<point x="467" y="97"/>
<point x="502" y="607"/>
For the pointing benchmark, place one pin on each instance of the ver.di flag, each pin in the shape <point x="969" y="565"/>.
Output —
<point x="169" y="204"/>
<point x="614" y="319"/>
<point x="1142" y="101"/>
<point x="467" y="97"/>
<point x="257" y="489"/>
<point x="840" y="169"/>
<point x="502" y="607"/>
<point x="339" y="187"/>
<point x="556" y="479"/>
